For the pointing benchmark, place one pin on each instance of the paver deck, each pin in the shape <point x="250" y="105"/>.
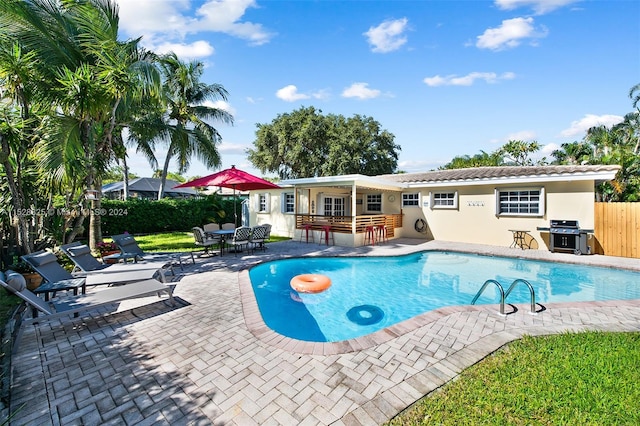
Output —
<point x="211" y="360"/>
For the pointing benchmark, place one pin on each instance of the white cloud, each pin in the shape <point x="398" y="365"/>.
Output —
<point x="388" y="36"/>
<point x="523" y="135"/>
<point x="540" y="7"/>
<point x="580" y="127"/>
<point x="164" y="24"/>
<point x="467" y="80"/>
<point x="197" y="49"/>
<point x="220" y="104"/>
<point x="510" y="34"/>
<point x="548" y="149"/>
<point x="360" y="91"/>
<point x="230" y="148"/>
<point x="290" y="94"/>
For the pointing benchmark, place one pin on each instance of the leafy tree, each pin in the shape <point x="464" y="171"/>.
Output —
<point x="479" y="160"/>
<point x="573" y="153"/>
<point x="306" y="143"/>
<point x="185" y="125"/>
<point x="84" y="76"/>
<point x="517" y="153"/>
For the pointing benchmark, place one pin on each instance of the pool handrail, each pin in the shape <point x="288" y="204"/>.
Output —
<point x="502" y="296"/>
<point x="531" y="290"/>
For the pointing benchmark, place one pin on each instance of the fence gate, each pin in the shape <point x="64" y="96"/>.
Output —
<point x="617" y="229"/>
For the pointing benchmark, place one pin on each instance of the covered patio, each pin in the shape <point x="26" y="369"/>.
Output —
<point x="355" y="209"/>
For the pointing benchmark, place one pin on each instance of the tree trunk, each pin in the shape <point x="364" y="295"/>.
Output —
<point x="125" y="187"/>
<point x="163" y="176"/>
<point x="17" y="199"/>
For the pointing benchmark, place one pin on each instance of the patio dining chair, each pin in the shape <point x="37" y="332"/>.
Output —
<point x="240" y="238"/>
<point x="257" y="237"/>
<point x="228" y="225"/>
<point x="209" y="227"/>
<point x="204" y="240"/>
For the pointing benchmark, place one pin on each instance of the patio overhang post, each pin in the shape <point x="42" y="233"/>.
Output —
<point x="354" y="192"/>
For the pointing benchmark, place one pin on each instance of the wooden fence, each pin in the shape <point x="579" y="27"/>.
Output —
<point x="617" y="229"/>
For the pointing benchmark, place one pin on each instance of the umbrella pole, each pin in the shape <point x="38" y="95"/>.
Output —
<point x="235" y="210"/>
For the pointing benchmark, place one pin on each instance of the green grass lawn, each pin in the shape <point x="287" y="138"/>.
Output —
<point x="176" y="241"/>
<point x="588" y="378"/>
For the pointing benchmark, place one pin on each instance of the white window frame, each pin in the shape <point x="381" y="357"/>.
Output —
<point x="370" y="202"/>
<point x="447" y="200"/>
<point x="410" y="197"/>
<point x="288" y="203"/>
<point x="263" y="203"/>
<point x="337" y="205"/>
<point x="522" y="198"/>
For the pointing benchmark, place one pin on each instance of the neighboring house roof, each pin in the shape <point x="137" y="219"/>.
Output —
<point x="150" y="185"/>
<point x="469" y="176"/>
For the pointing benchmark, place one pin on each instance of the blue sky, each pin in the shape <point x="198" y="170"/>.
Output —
<point x="447" y="78"/>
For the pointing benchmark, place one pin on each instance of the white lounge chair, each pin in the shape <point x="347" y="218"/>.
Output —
<point x="15" y="284"/>
<point x="56" y="278"/>
<point x="130" y="248"/>
<point x="85" y="263"/>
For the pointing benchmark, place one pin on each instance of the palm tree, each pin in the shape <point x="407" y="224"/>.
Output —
<point x="87" y="77"/>
<point x="186" y="129"/>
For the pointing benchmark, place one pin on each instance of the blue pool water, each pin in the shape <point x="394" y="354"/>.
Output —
<point x="370" y="293"/>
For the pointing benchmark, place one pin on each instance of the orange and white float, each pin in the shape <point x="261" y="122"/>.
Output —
<point x="310" y="283"/>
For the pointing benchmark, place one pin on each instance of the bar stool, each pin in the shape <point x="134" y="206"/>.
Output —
<point x="381" y="233"/>
<point x="328" y="234"/>
<point x="306" y="230"/>
<point x="370" y="235"/>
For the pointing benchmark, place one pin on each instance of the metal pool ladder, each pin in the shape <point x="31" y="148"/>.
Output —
<point x="504" y="295"/>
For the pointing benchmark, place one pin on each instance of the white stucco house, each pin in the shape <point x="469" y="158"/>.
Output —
<point x="482" y="205"/>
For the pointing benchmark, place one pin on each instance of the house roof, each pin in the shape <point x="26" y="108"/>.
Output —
<point x="506" y="174"/>
<point x="468" y="176"/>
<point x="148" y="185"/>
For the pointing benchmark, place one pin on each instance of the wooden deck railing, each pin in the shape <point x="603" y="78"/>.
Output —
<point x="343" y="224"/>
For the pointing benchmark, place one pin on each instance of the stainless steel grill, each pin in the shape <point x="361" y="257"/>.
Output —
<point x="567" y="236"/>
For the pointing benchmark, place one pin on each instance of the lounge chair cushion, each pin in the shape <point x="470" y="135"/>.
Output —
<point x="43" y="258"/>
<point x="15" y="280"/>
<point x="79" y="250"/>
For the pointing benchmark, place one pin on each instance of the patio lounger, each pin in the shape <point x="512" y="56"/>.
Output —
<point x="129" y="246"/>
<point x="56" y="278"/>
<point x="85" y="263"/>
<point x="15" y="284"/>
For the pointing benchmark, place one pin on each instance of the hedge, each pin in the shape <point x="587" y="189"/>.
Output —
<point x="151" y="216"/>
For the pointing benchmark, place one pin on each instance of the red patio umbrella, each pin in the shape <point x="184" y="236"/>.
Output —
<point x="232" y="178"/>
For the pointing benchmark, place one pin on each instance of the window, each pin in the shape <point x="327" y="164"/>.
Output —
<point x="444" y="200"/>
<point x="411" y="200"/>
<point x="520" y="202"/>
<point x="263" y="203"/>
<point x="288" y="202"/>
<point x="374" y="203"/>
<point x="334" y="206"/>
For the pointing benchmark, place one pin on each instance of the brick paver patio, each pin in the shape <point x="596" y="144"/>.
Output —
<point x="211" y="360"/>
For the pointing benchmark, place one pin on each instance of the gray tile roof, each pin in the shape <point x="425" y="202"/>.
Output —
<point x="488" y="173"/>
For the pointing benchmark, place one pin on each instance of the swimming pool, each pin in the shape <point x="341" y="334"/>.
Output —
<point x="371" y="293"/>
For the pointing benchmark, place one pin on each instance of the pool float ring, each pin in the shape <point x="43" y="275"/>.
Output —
<point x="365" y="314"/>
<point x="310" y="283"/>
<point x="420" y="225"/>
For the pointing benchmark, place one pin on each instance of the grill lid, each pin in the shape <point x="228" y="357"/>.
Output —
<point x="565" y="224"/>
